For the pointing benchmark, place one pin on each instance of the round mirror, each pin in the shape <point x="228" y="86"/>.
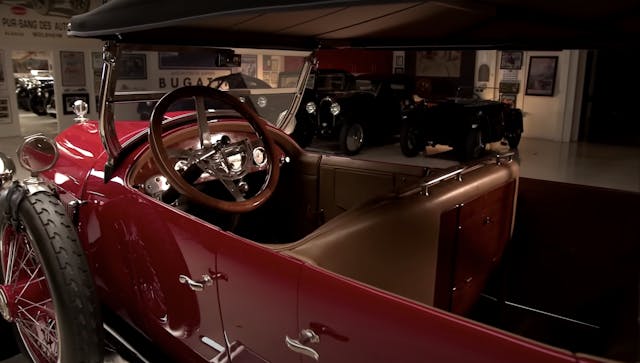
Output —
<point x="37" y="153"/>
<point x="7" y="169"/>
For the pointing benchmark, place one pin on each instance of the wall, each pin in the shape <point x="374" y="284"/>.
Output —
<point x="546" y="117"/>
<point x="22" y="28"/>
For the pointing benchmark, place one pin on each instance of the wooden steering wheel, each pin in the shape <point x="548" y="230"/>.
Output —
<point x="227" y="161"/>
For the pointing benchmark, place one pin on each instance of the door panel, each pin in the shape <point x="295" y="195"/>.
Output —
<point x="356" y="323"/>
<point x="258" y="300"/>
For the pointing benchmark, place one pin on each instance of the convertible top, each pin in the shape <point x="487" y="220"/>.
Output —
<point x="309" y="24"/>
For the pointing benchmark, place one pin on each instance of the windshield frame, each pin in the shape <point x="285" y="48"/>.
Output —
<point x="109" y="97"/>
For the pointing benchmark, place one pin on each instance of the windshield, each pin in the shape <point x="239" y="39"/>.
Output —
<point x="264" y="79"/>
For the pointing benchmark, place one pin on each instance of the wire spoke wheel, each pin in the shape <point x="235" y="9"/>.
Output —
<point x="45" y="286"/>
<point x="33" y="310"/>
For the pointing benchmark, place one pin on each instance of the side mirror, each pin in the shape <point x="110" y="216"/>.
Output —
<point x="37" y="154"/>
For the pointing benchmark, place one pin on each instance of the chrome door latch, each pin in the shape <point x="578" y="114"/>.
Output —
<point x="196" y="285"/>
<point x="299" y="346"/>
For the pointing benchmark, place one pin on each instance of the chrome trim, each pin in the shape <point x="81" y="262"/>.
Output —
<point x="108" y="135"/>
<point x="298" y="346"/>
<point x="196" y="285"/>
<point x="121" y="340"/>
<point x="212" y="344"/>
<point x="36" y="184"/>
<point x="456" y="173"/>
<point x="28" y="139"/>
<point x="508" y="155"/>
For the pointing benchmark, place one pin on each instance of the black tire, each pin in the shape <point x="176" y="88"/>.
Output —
<point x="45" y="229"/>
<point x="471" y="146"/>
<point x="412" y="141"/>
<point x="513" y="140"/>
<point x="38" y="105"/>
<point x="352" y="138"/>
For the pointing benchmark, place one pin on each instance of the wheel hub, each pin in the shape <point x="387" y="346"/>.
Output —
<point x="5" y="309"/>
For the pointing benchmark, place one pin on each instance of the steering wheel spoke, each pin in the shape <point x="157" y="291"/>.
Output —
<point x="203" y="124"/>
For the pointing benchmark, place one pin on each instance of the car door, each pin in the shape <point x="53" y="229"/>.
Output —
<point x="156" y="267"/>
<point x="345" y="321"/>
<point x="258" y="300"/>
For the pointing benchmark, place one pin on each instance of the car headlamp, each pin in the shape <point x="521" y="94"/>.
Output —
<point x="310" y="107"/>
<point x="262" y="101"/>
<point x="335" y="108"/>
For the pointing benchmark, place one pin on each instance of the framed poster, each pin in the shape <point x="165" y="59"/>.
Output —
<point x="2" y="85"/>
<point x="511" y="60"/>
<point x="249" y="65"/>
<point x="72" y="69"/>
<point x="69" y="98"/>
<point x="4" y="111"/>
<point x="541" y="79"/>
<point x="132" y="66"/>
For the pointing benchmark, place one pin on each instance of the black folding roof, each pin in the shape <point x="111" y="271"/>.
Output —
<point x="307" y="24"/>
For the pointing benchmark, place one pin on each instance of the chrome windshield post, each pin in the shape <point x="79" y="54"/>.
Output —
<point x="289" y="122"/>
<point x="108" y="135"/>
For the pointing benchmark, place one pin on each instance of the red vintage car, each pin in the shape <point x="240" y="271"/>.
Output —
<point x="209" y="235"/>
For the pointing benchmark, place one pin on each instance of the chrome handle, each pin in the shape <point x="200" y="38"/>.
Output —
<point x="196" y="285"/>
<point x="298" y="346"/>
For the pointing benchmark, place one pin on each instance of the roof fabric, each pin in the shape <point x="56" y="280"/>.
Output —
<point x="308" y="24"/>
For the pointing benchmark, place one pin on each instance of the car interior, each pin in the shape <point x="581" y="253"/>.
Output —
<point x="350" y="216"/>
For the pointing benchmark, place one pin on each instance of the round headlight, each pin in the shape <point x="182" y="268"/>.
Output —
<point x="7" y="169"/>
<point x="262" y="101"/>
<point x="335" y="108"/>
<point x="310" y="107"/>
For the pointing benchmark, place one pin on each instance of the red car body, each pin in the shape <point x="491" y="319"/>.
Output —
<point x="138" y="246"/>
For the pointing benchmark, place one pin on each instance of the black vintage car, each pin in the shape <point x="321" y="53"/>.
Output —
<point x="35" y="94"/>
<point x="354" y="110"/>
<point x="467" y="124"/>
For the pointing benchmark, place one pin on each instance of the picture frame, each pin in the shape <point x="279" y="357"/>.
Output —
<point x="511" y="60"/>
<point x="132" y="66"/>
<point x="2" y="70"/>
<point x="249" y="65"/>
<point x="72" y="69"/>
<point x="399" y="61"/>
<point x="5" y="114"/>
<point x="541" y="77"/>
<point x="509" y="87"/>
<point x="69" y="98"/>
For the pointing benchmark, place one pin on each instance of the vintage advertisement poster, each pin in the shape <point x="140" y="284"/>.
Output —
<point x="72" y="66"/>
